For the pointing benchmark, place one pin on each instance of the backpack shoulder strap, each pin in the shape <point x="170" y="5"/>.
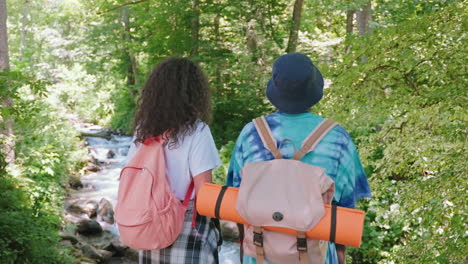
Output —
<point x="314" y="138"/>
<point x="267" y="137"/>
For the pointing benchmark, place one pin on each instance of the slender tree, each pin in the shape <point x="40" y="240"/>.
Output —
<point x="132" y="70"/>
<point x="217" y="33"/>
<point x="7" y="130"/>
<point x="350" y="21"/>
<point x="251" y="32"/>
<point x="349" y="25"/>
<point x="296" y="23"/>
<point x="363" y="17"/>
<point x="4" y="56"/>
<point x="24" y="27"/>
<point x="195" y="27"/>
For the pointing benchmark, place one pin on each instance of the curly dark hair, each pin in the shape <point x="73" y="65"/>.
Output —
<point x="175" y="96"/>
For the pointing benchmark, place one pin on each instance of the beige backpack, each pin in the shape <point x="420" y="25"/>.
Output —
<point x="284" y="193"/>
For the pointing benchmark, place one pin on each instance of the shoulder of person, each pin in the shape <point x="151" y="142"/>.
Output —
<point x="248" y="128"/>
<point x="342" y="133"/>
<point x="202" y="127"/>
<point x="338" y="129"/>
<point x="202" y="132"/>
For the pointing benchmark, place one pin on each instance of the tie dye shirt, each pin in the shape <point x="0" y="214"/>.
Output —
<point x="336" y="153"/>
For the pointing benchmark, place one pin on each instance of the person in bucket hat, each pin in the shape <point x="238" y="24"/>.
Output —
<point x="296" y="85"/>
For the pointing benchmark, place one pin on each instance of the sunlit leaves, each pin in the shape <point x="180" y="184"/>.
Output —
<point x="406" y="108"/>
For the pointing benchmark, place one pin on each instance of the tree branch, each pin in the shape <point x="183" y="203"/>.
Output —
<point x="272" y="27"/>
<point x="120" y="6"/>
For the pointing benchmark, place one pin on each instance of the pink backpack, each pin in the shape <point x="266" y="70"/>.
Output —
<point x="284" y="193"/>
<point x="148" y="215"/>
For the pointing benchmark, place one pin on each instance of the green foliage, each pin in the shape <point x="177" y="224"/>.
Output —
<point x="405" y="107"/>
<point x="219" y="174"/>
<point x="31" y="191"/>
<point x="26" y="237"/>
<point x="125" y="109"/>
<point x="240" y="100"/>
<point x="83" y="94"/>
<point x="28" y="221"/>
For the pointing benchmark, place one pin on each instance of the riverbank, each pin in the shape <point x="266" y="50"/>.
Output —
<point x="90" y="230"/>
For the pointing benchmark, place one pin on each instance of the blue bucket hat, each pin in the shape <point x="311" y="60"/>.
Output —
<point x="296" y="84"/>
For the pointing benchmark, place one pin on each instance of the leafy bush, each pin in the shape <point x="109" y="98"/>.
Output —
<point x="31" y="191"/>
<point x="219" y="174"/>
<point x="124" y="111"/>
<point x="406" y="108"/>
<point x="28" y="227"/>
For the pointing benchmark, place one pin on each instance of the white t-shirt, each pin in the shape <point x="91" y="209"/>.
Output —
<point x="193" y="155"/>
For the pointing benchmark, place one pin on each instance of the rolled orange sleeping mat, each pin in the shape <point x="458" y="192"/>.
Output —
<point x="349" y="222"/>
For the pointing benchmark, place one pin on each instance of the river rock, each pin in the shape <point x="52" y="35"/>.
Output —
<point x="131" y="254"/>
<point x="105" y="211"/>
<point x="105" y="255"/>
<point x="84" y="143"/>
<point x="101" y="241"/>
<point x="110" y="154"/>
<point x="94" y="157"/>
<point x="117" y="247"/>
<point x="88" y="227"/>
<point x="93" y="167"/>
<point x="83" y="206"/>
<point x="119" y="132"/>
<point x="229" y="231"/>
<point x="66" y="243"/>
<point x="75" y="208"/>
<point x="97" y="133"/>
<point x="68" y="237"/>
<point x="75" y="182"/>
<point x="87" y="261"/>
<point x="91" y="252"/>
<point x="90" y="208"/>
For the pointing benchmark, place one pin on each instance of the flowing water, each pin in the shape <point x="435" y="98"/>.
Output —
<point x="111" y="153"/>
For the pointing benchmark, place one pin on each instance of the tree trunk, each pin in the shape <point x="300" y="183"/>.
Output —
<point x="251" y="33"/>
<point x="349" y="21"/>
<point x="296" y="24"/>
<point x="349" y="26"/>
<point x="195" y="28"/>
<point x="24" y="29"/>
<point x="363" y="17"/>
<point x="252" y="39"/>
<point x="8" y="147"/>
<point x="217" y="32"/>
<point x="132" y="70"/>
<point x="4" y="57"/>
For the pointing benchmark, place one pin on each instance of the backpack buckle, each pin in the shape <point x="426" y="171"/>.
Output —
<point x="301" y="244"/>
<point x="258" y="239"/>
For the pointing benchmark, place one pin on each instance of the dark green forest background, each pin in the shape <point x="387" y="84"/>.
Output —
<point x="396" y="80"/>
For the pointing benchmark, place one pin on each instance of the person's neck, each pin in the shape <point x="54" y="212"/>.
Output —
<point x="292" y="115"/>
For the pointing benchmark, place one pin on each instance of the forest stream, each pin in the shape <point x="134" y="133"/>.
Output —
<point x="89" y="208"/>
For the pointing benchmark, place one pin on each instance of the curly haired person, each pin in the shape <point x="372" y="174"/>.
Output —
<point x="175" y="104"/>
